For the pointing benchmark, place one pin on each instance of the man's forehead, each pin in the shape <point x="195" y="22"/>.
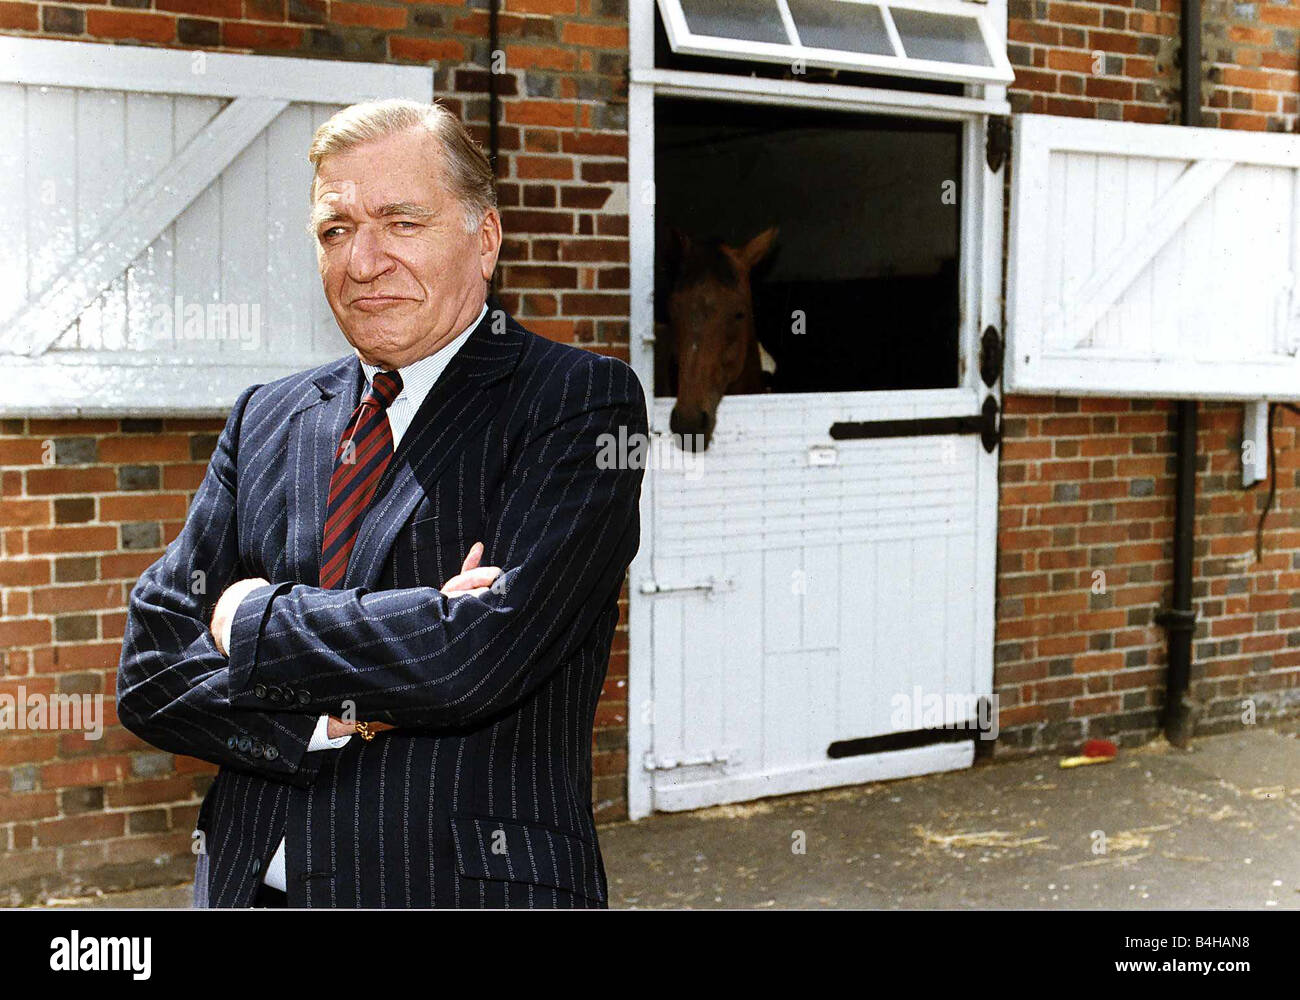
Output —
<point x="382" y="197"/>
<point x="352" y="177"/>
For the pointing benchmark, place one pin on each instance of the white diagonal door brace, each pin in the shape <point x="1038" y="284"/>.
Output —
<point x="140" y="222"/>
<point x="1121" y="267"/>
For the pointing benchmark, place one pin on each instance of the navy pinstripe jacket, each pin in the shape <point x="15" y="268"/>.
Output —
<point x="482" y="796"/>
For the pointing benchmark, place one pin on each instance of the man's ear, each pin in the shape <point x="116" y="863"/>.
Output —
<point x="489" y="234"/>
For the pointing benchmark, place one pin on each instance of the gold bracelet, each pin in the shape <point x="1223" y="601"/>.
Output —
<point x="363" y="730"/>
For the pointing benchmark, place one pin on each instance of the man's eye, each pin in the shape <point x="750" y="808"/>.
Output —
<point x="407" y="225"/>
<point x="332" y="232"/>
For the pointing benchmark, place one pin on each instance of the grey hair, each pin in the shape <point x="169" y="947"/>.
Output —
<point x="467" y="168"/>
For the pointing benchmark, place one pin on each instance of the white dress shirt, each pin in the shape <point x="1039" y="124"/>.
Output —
<point x="417" y="379"/>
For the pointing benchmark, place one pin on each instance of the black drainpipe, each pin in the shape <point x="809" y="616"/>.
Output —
<point x="494" y="107"/>
<point x="1181" y="712"/>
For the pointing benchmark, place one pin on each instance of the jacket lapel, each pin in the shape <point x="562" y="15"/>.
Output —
<point x="453" y="411"/>
<point x="315" y="428"/>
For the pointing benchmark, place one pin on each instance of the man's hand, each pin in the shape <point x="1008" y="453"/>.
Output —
<point x="472" y="579"/>
<point x="337" y="727"/>
<point x="224" y="613"/>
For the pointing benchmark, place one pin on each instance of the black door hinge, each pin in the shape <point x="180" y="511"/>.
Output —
<point x="990" y="425"/>
<point x="997" y="144"/>
<point x="990" y="356"/>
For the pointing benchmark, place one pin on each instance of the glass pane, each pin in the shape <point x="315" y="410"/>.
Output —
<point x="746" y="20"/>
<point x="850" y="27"/>
<point x="941" y="37"/>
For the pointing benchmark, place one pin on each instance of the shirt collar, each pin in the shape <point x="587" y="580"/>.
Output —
<point x="418" y="377"/>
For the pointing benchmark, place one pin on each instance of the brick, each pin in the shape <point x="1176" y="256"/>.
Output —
<point x="25" y="513"/>
<point x="551" y="167"/>
<point x="91" y="538"/>
<point x="18" y="17"/>
<point x="58" y="600"/>
<point x="62" y="20"/>
<point x="554" y="113"/>
<point x="52" y="481"/>
<point x="130" y="25"/>
<point x="425" y="50"/>
<point x="595" y="35"/>
<point x="202" y="8"/>
<point x="369" y="15"/>
<point x="92" y="771"/>
<point x="544" y="57"/>
<point x="260" y="36"/>
<point x="80" y="829"/>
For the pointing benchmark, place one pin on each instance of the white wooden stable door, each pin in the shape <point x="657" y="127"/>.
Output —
<point x="800" y="585"/>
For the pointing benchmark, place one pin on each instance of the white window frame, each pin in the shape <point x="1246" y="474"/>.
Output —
<point x="72" y="383"/>
<point x="980" y="290"/>
<point x="687" y="42"/>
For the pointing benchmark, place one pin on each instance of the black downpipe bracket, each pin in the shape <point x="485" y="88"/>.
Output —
<point x="1181" y="711"/>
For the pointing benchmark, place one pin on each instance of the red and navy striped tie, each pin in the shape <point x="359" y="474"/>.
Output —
<point x="363" y="454"/>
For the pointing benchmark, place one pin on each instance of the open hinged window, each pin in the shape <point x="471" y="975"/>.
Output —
<point x="933" y="39"/>
<point x="1153" y="260"/>
<point x="160" y="261"/>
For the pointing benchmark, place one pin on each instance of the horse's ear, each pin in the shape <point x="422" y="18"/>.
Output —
<point x="757" y="248"/>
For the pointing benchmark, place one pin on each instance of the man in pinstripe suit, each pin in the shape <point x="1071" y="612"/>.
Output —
<point x="397" y="726"/>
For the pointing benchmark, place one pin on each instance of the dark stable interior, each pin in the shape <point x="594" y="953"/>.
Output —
<point x="861" y="288"/>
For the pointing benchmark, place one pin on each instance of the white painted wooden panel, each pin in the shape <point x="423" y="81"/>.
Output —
<point x="102" y="280"/>
<point x="754" y="487"/>
<point x="843" y="586"/>
<point x="1150" y="260"/>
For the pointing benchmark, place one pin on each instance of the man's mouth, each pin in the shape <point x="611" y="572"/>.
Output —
<point x="373" y="303"/>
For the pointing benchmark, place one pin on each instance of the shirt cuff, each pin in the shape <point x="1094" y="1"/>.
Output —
<point x="320" y="739"/>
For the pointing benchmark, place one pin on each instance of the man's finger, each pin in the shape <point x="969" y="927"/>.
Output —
<point x="481" y="577"/>
<point x="471" y="560"/>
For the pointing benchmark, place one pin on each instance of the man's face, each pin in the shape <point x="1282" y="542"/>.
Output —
<point x="400" y="272"/>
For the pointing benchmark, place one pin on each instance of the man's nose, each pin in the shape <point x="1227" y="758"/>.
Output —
<point x="367" y="257"/>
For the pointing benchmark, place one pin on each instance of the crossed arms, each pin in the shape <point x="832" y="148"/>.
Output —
<point x="563" y="534"/>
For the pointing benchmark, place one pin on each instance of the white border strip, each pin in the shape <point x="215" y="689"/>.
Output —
<point x="135" y="68"/>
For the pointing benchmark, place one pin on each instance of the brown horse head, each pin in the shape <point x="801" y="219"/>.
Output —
<point x="711" y="315"/>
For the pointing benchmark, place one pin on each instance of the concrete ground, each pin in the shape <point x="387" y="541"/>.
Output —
<point x="1215" y="827"/>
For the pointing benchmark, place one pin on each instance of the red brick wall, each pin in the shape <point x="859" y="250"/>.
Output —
<point x="115" y="813"/>
<point x="1088" y="484"/>
<point x="1085" y="561"/>
<point x="1121" y="61"/>
<point x="76" y="535"/>
<point x="1114" y="61"/>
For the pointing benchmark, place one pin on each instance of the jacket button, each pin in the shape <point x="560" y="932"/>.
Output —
<point x="260" y="690"/>
<point x="276" y="695"/>
<point x="257" y="749"/>
<point x="304" y="697"/>
<point x="231" y="742"/>
<point x="245" y="744"/>
<point x="272" y="753"/>
<point x="257" y="866"/>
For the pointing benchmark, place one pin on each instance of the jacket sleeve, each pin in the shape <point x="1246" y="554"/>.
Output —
<point x="172" y="681"/>
<point x="564" y="531"/>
